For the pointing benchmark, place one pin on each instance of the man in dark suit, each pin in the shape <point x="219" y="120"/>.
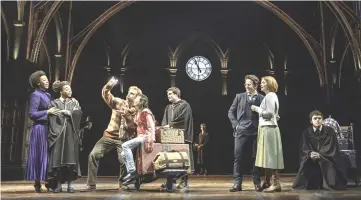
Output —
<point x="245" y="125"/>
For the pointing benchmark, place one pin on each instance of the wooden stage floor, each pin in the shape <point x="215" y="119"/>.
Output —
<point x="201" y="187"/>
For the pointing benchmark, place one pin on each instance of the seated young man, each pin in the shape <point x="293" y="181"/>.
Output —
<point x="145" y="134"/>
<point x="321" y="165"/>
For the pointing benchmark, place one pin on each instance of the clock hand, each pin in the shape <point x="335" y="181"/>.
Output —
<point x="199" y="69"/>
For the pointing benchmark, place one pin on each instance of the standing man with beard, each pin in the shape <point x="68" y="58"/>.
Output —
<point x="120" y="129"/>
<point x="245" y="125"/>
<point x="178" y="114"/>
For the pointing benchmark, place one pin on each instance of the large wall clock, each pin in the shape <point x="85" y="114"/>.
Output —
<point x="198" y="68"/>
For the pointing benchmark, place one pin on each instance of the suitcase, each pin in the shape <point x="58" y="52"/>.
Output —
<point x="145" y="160"/>
<point x="169" y="136"/>
<point x="350" y="158"/>
<point x="346" y="133"/>
<point x="352" y="161"/>
<point x="343" y="144"/>
<point x="171" y="160"/>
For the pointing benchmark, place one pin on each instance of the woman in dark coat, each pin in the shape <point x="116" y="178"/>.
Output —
<point x="63" y="138"/>
<point x="39" y="104"/>
<point x="200" y="145"/>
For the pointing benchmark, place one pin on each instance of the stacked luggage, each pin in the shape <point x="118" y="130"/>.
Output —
<point x="348" y="152"/>
<point x="169" y="159"/>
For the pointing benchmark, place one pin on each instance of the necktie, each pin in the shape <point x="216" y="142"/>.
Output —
<point x="317" y="132"/>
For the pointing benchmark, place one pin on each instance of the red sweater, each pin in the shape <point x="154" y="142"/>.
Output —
<point x="146" y="124"/>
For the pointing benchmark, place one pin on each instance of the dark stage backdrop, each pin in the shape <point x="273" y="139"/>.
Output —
<point x="148" y="60"/>
<point x="208" y="105"/>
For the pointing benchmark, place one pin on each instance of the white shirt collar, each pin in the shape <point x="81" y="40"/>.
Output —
<point x="254" y="94"/>
<point x="314" y="129"/>
<point x="63" y="100"/>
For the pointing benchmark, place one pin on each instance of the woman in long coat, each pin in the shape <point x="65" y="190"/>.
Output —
<point x="37" y="160"/>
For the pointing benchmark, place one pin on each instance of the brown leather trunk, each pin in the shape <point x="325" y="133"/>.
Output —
<point x="169" y="136"/>
<point x="145" y="160"/>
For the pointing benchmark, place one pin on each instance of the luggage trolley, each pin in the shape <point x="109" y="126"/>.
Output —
<point x="167" y="140"/>
<point x="348" y="152"/>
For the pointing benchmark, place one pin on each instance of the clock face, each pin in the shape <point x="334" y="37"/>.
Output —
<point x="198" y="68"/>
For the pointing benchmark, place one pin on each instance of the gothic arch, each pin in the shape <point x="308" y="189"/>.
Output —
<point x="99" y="22"/>
<point x="307" y="40"/>
<point x="42" y="29"/>
<point x="186" y="43"/>
<point x="341" y="17"/>
<point x="59" y="31"/>
<point x="271" y="57"/>
<point x="7" y="31"/>
<point x="300" y="33"/>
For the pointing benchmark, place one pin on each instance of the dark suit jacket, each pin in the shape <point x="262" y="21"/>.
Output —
<point x="237" y="110"/>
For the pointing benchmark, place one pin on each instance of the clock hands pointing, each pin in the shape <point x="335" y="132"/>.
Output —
<point x="199" y="69"/>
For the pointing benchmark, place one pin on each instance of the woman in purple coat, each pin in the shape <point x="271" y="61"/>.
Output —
<point x="36" y="166"/>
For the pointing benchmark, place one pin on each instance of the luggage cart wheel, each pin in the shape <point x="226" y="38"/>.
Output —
<point x="137" y="183"/>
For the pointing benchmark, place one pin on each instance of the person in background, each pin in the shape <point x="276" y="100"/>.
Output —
<point x="200" y="147"/>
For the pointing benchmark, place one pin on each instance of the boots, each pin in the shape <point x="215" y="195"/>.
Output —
<point x="276" y="185"/>
<point x="37" y="187"/>
<point x="184" y="183"/>
<point x="201" y="172"/>
<point x="267" y="179"/>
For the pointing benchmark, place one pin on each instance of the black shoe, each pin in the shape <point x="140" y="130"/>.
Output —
<point x="236" y="188"/>
<point x="258" y="187"/>
<point x="47" y="187"/>
<point x="129" y="176"/>
<point x="70" y="190"/>
<point x="57" y="190"/>
<point x="38" y="188"/>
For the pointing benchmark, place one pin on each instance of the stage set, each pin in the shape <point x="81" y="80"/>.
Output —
<point x="237" y="85"/>
<point x="201" y="187"/>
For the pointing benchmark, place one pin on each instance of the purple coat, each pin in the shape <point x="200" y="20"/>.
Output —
<point x="38" y="140"/>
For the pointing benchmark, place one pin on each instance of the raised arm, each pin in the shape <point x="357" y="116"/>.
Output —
<point x="232" y="110"/>
<point x="108" y="97"/>
<point x="34" y="113"/>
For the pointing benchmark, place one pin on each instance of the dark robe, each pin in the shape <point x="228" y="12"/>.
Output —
<point x="64" y="143"/>
<point x="202" y="141"/>
<point x="179" y="115"/>
<point x="328" y="172"/>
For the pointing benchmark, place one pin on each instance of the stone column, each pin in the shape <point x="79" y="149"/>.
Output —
<point x="18" y="26"/>
<point x="121" y="79"/>
<point x="172" y="73"/>
<point x="58" y="64"/>
<point x="224" y="73"/>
